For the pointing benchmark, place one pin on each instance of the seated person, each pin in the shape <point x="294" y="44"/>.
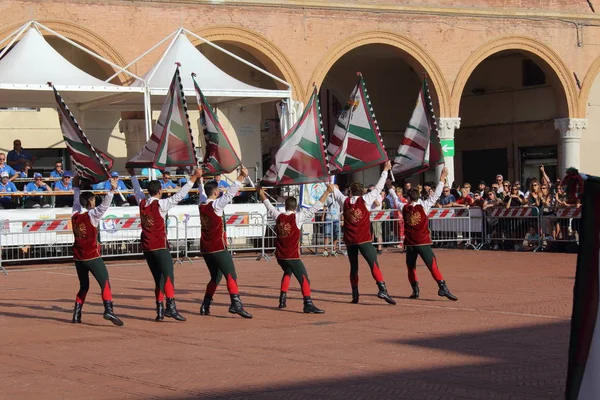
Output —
<point x="64" y="185"/>
<point x="7" y="186"/>
<point x="167" y="183"/>
<point x="106" y="185"/>
<point x="36" y="186"/>
<point x="58" y="170"/>
<point x="24" y="173"/>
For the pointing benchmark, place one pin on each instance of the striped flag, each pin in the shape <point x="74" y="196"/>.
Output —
<point x="172" y="142"/>
<point x="90" y="163"/>
<point x="355" y="143"/>
<point x="301" y="156"/>
<point x="583" y="381"/>
<point x="219" y="157"/>
<point x="420" y="149"/>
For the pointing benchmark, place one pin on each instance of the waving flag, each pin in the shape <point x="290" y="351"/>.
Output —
<point x="219" y="157"/>
<point x="584" y="349"/>
<point x="355" y="143"/>
<point x="90" y="164"/>
<point x="420" y="149"/>
<point x="301" y="155"/>
<point x="171" y="143"/>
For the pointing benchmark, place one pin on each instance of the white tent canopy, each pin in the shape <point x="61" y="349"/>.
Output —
<point x="220" y="88"/>
<point x="26" y="67"/>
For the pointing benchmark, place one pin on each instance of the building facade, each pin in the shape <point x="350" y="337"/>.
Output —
<point x="514" y="82"/>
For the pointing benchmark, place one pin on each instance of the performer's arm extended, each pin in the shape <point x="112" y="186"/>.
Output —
<point x="308" y="213"/>
<point x="168" y="203"/>
<point x="220" y="203"/>
<point x="373" y="195"/>
<point x="430" y="202"/>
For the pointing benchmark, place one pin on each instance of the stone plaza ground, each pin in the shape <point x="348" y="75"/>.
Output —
<point x="506" y="337"/>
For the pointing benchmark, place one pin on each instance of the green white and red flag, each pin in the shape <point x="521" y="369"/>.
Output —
<point x="90" y="163"/>
<point x="301" y="155"/>
<point x="219" y="155"/>
<point x="420" y="149"/>
<point x="171" y="143"/>
<point x="355" y="143"/>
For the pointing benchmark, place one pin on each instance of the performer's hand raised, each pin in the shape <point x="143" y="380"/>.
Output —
<point x="387" y="166"/>
<point x="196" y="175"/>
<point x="330" y="188"/>
<point x="76" y="181"/>
<point x="244" y="172"/>
<point x="261" y="193"/>
<point x="444" y="175"/>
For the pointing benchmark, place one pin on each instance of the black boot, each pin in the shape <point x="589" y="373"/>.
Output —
<point x="77" y="313"/>
<point x="109" y="314"/>
<point x="171" y="311"/>
<point x="383" y="294"/>
<point x="205" y="308"/>
<point x="416" y="292"/>
<point x="354" y="295"/>
<point x="282" y="299"/>
<point x="445" y="292"/>
<point x="237" y="307"/>
<point x="309" y="307"/>
<point x="160" y="311"/>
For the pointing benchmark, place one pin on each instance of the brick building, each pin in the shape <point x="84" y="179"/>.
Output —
<point x="515" y="82"/>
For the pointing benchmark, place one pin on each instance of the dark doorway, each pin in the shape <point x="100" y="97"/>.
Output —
<point x="484" y="165"/>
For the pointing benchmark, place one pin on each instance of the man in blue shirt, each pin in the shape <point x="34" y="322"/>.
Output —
<point x="64" y="185"/>
<point x="106" y="185"/>
<point x="12" y="174"/>
<point x="36" y="186"/>
<point x="58" y="170"/>
<point x="7" y="186"/>
<point x="446" y="199"/>
<point x="17" y="157"/>
<point x="166" y="182"/>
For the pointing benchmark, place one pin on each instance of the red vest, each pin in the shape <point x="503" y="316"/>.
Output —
<point x="287" y="244"/>
<point x="357" y="222"/>
<point x="86" y="246"/>
<point x="416" y="225"/>
<point x="212" y="238"/>
<point x="154" y="233"/>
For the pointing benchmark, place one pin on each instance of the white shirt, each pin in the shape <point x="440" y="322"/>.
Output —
<point x="369" y="198"/>
<point x="220" y="203"/>
<point x="379" y="199"/>
<point x="427" y="204"/>
<point x="301" y="216"/>
<point x="96" y="213"/>
<point x="164" y="205"/>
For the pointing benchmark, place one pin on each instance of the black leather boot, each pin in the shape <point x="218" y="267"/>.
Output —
<point x="77" y="313"/>
<point x="354" y="295"/>
<point x="160" y="311"/>
<point x="309" y="307"/>
<point x="445" y="292"/>
<point x="416" y="292"/>
<point x="109" y="314"/>
<point x="282" y="299"/>
<point x="237" y="307"/>
<point x="205" y="308"/>
<point x="383" y="294"/>
<point x="171" y="311"/>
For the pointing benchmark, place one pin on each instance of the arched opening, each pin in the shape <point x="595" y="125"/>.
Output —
<point x="507" y="110"/>
<point x="393" y="78"/>
<point x="590" y="103"/>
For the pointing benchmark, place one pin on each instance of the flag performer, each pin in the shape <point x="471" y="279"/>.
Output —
<point x="357" y="233"/>
<point x="153" y="212"/>
<point x="417" y="239"/>
<point x="288" y="225"/>
<point x="86" y="249"/>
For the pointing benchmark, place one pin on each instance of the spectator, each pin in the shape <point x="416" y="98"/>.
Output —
<point x="65" y="184"/>
<point x="24" y="173"/>
<point x="478" y="200"/>
<point x="222" y="183"/>
<point x="407" y="187"/>
<point x="465" y="199"/>
<point x="495" y="187"/>
<point x="106" y="185"/>
<point x="6" y="186"/>
<point x="532" y="240"/>
<point x="545" y="179"/>
<point x="481" y="188"/>
<point x="166" y="182"/>
<point x="58" y="170"/>
<point x="491" y="200"/>
<point x="504" y="190"/>
<point x="454" y="190"/>
<point x="467" y="185"/>
<point x="376" y="226"/>
<point x="332" y="224"/>
<point x="500" y="182"/>
<point x="17" y="157"/>
<point x="36" y="186"/>
<point x="425" y="192"/>
<point x="7" y="168"/>
<point x="518" y="185"/>
<point x="534" y="197"/>
<point x="446" y="199"/>
<point x="513" y="198"/>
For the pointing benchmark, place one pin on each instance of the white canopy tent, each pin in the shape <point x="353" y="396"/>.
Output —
<point x="27" y="65"/>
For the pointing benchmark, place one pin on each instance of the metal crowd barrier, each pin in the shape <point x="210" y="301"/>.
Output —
<point x="514" y="228"/>
<point x="560" y="227"/>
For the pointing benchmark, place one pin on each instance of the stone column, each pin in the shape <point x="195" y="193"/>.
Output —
<point x="135" y="135"/>
<point x="446" y="128"/>
<point x="571" y="130"/>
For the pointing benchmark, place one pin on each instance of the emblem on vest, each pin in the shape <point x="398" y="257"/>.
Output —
<point x="354" y="215"/>
<point x="80" y="231"/>
<point x="414" y="218"/>
<point x="147" y="221"/>
<point x="205" y="222"/>
<point x="284" y="229"/>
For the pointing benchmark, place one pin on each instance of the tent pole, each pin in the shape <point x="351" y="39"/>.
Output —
<point x="239" y="58"/>
<point x="162" y="58"/>
<point x="148" y="120"/>
<point x="140" y="57"/>
<point x="16" y="34"/>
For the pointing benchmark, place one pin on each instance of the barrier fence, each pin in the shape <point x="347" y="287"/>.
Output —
<point x="526" y="228"/>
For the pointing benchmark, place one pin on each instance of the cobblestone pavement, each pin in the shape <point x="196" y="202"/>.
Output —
<point x="506" y="337"/>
